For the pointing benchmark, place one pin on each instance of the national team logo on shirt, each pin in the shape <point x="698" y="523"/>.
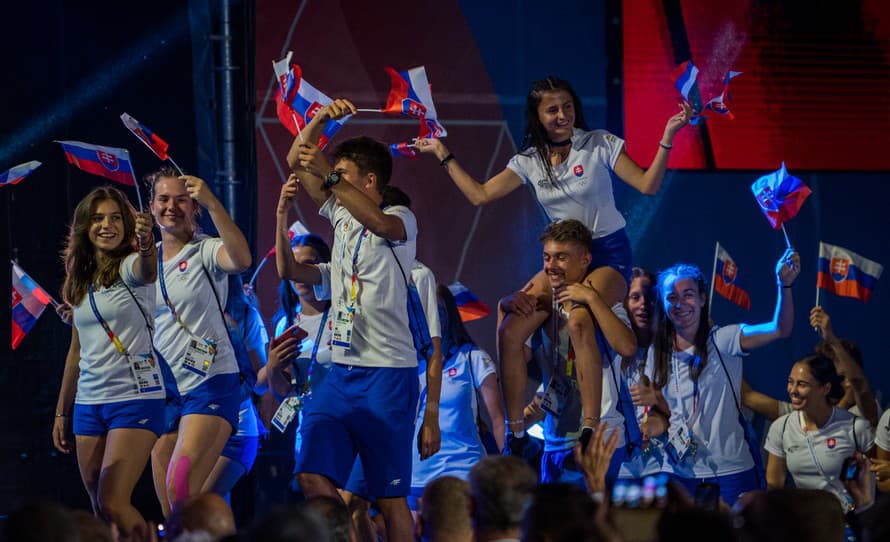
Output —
<point x="579" y="170"/>
<point x="831" y="443"/>
<point x="183" y="266"/>
<point x="452" y="372"/>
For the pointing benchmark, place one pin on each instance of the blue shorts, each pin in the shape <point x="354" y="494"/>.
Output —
<point x="560" y="467"/>
<point x="731" y="486"/>
<point x="242" y="449"/>
<point x="415" y="495"/>
<point x="217" y="396"/>
<point x="613" y="251"/>
<point x="97" y="420"/>
<point x="364" y="411"/>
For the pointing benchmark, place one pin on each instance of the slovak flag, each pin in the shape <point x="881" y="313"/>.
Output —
<point x="780" y="196"/>
<point x="410" y="95"/>
<point x="469" y="306"/>
<point x="297" y="101"/>
<point x="296" y="229"/>
<point x="109" y="162"/>
<point x="152" y="140"/>
<point x="28" y="302"/>
<point x="845" y="273"/>
<point x="685" y="78"/>
<point x="18" y="173"/>
<point x="726" y="279"/>
<point x="720" y="104"/>
<point x="404" y="150"/>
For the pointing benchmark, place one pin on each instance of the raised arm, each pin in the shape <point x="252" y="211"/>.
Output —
<point x="478" y="193"/>
<point x="649" y="181"/>
<point x="234" y="257"/>
<point x="755" y="336"/>
<point x="145" y="266"/>
<point x="287" y="266"/>
<point x="847" y="366"/>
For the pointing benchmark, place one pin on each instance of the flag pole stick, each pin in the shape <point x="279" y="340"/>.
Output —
<point x="297" y="124"/>
<point x="258" y="269"/>
<point x="135" y="182"/>
<point x="369" y="111"/>
<point x="713" y="276"/>
<point x="785" y="233"/>
<point x="172" y="161"/>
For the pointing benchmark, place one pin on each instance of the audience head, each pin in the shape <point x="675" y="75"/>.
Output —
<point x="336" y="515"/>
<point x="41" y="522"/>
<point x="207" y="512"/>
<point x="500" y="487"/>
<point x="91" y="528"/>
<point x="694" y="525"/>
<point x="814" y="383"/>
<point x="787" y="514"/>
<point x="560" y="513"/>
<point x="291" y="523"/>
<point x="445" y="513"/>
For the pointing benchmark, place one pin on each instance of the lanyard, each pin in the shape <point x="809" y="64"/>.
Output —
<point x="324" y="319"/>
<point x="163" y="285"/>
<point x="117" y="342"/>
<point x="675" y="367"/>
<point x="832" y="481"/>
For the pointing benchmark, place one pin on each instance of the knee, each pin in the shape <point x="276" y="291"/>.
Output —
<point x="511" y="333"/>
<point x="109" y="508"/>
<point x="313" y="484"/>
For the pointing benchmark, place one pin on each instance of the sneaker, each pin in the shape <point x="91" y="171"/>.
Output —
<point x="524" y="448"/>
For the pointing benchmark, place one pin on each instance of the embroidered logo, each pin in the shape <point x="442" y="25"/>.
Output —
<point x="183" y="266"/>
<point x="831" y="443"/>
<point x="452" y="372"/>
<point x="579" y="170"/>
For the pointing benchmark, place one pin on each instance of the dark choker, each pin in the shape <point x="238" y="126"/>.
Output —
<point x="565" y="143"/>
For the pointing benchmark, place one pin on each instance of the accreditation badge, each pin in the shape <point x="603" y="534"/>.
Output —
<point x="199" y="356"/>
<point x="341" y="334"/>
<point x="145" y="373"/>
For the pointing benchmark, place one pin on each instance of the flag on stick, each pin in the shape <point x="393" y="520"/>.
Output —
<point x="109" y="162"/>
<point x="726" y="279"/>
<point x="410" y="95"/>
<point x="780" y="196"/>
<point x="152" y="140"/>
<point x="297" y="102"/>
<point x="16" y="174"/>
<point x="469" y="306"/>
<point x="845" y="273"/>
<point x="28" y="302"/>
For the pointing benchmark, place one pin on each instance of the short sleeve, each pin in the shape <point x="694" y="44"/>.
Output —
<point x="328" y="208"/>
<point x="728" y="340"/>
<point x="614" y="146"/>
<point x="408" y="219"/>
<point x="482" y="366"/>
<point x="322" y="290"/>
<point x="882" y="436"/>
<point x="785" y="408"/>
<point x="865" y="435"/>
<point x="255" y="335"/>
<point x="773" y="442"/>
<point x="515" y="165"/>
<point x="126" y="271"/>
<point x="426" y="286"/>
<point x="210" y="247"/>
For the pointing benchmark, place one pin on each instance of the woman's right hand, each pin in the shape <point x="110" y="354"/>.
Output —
<point x="283" y="354"/>
<point x="288" y="193"/>
<point x="60" y="436"/>
<point x="431" y="146"/>
<point x="642" y="395"/>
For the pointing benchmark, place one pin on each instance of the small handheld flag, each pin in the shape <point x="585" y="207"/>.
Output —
<point x="28" y="302"/>
<point x="297" y="102"/>
<point x="151" y="139"/>
<point x="685" y="77"/>
<point x="403" y="150"/>
<point x="780" y="197"/>
<point x="720" y="104"/>
<point x="845" y="273"/>
<point x="109" y="162"/>
<point x="17" y="174"/>
<point x="410" y="95"/>
<point x="726" y="279"/>
<point x="469" y="306"/>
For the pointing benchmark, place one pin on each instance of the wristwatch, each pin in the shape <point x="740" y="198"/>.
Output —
<point x="332" y="179"/>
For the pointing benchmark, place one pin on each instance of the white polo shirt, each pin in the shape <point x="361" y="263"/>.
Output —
<point x="649" y="462"/>
<point x="425" y="282"/>
<point x="838" y="439"/>
<point x="583" y="184"/>
<point x="192" y="296"/>
<point x="380" y="334"/>
<point x="882" y="435"/>
<point x="105" y="375"/>
<point x="721" y="448"/>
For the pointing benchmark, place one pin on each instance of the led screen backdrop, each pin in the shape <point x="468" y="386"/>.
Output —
<point x="815" y="91"/>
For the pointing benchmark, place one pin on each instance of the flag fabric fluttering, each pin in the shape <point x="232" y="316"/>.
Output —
<point x="845" y="273"/>
<point x="685" y="77"/>
<point x="726" y="279"/>
<point x="403" y="150"/>
<point x="720" y="105"/>
<point x="297" y="101"/>
<point x="780" y="196"/>
<point x="16" y="174"/>
<point x="152" y="140"/>
<point x="296" y="229"/>
<point x="410" y="95"/>
<point x="28" y="302"/>
<point x="469" y="306"/>
<point x="109" y="162"/>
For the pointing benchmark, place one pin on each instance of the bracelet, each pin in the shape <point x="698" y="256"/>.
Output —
<point x="447" y="159"/>
<point x="786" y="285"/>
<point x="510" y="422"/>
<point x="594" y="419"/>
<point x="59" y="415"/>
<point x="146" y="251"/>
<point x="665" y="147"/>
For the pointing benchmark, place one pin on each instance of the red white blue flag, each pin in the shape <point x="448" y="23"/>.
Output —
<point x="28" y="302"/>
<point x="410" y="95"/>
<point x="152" y="140"/>
<point x="726" y="279"/>
<point x="109" y="162"/>
<point x="403" y="150"/>
<point x="720" y="104"/>
<point x="18" y="173"/>
<point x="297" y="101"/>
<point x="845" y="273"/>
<point x="780" y="196"/>
<point x="469" y="306"/>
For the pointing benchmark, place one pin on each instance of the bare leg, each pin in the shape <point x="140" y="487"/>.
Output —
<point x="160" y="460"/>
<point x="201" y="439"/>
<point x="89" y="460"/>
<point x="512" y="334"/>
<point x="223" y="477"/>
<point x="399" y="527"/>
<point x="314" y="485"/>
<point x="360" y="512"/>
<point x="126" y="454"/>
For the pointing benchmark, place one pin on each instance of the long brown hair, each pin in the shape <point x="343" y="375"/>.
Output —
<point x="636" y="273"/>
<point x="79" y="256"/>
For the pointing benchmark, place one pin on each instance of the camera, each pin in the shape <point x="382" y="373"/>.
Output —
<point x="850" y="470"/>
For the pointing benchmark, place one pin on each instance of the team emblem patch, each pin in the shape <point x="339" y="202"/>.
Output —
<point x="579" y="170"/>
<point x="183" y="265"/>
<point x="452" y="372"/>
<point x="831" y="443"/>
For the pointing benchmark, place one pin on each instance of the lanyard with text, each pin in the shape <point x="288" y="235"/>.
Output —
<point x="324" y="320"/>
<point x="117" y="342"/>
<point x="163" y="285"/>
<point x="354" y="281"/>
<point x="832" y="480"/>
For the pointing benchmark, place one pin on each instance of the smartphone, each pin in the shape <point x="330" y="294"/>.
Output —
<point x="619" y="492"/>
<point x="293" y="331"/>
<point x="850" y="470"/>
<point x="707" y="496"/>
